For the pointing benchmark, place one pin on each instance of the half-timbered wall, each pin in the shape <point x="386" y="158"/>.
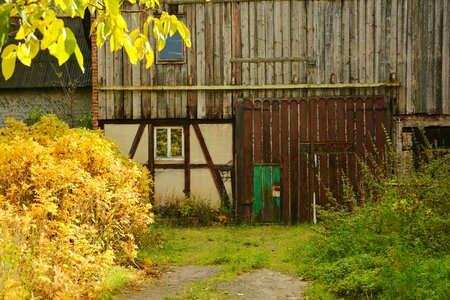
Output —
<point x="288" y="42"/>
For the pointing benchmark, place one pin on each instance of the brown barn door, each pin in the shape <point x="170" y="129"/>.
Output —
<point x="315" y="141"/>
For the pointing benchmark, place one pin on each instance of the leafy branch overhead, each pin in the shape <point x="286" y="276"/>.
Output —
<point x="41" y="29"/>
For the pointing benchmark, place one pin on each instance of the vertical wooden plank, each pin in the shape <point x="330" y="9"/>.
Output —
<point x="109" y="81"/>
<point x="296" y="27"/>
<point x="191" y="59"/>
<point x="446" y="58"/>
<point x="351" y="138"/>
<point x="392" y="34"/>
<point x="275" y="158"/>
<point x="378" y="59"/>
<point x="370" y="40"/>
<point x="401" y="54"/>
<point x="311" y="12"/>
<point x="209" y="57"/>
<point x="380" y="126"/>
<point x="362" y="41"/>
<point x="322" y="157"/>
<point x="260" y="43"/>
<point x="437" y="54"/>
<point x="269" y="28"/>
<point x="245" y="44"/>
<point x="410" y="86"/>
<point x="370" y="124"/>
<point x="236" y="40"/>
<point x="329" y="41"/>
<point x="278" y="48"/>
<point x="226" y="56"/>
<point x="118" y="81"/>
<point x="332" y="136"/>
<point x="353" y="52"/>
<point x="346" y="25"/>
<point x="253" y="42"/>
<point x="301" y="9"/>
<point x="286" y="40"/>
<point x="127" y="78"/>
<point x="218" y="62"/>
<point x="201" y="68"/>
<point x="267" y="138"/>
<point x="341" y="136"/>
<point x="303" y="185"/>
<point x="137" y="101"/>
<point x="248" y="154"/>
<point x="293" y="162"/>
<point x="187" y="160"/>
<point x="257" y="132"/>
<point x="101" y="81"/>
<point x="285" y="174"/>
<point x="151" y="150"/>
<point x="360" y="130"/>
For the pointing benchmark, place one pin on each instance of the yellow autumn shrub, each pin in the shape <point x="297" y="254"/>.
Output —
<point x="71" y="206"/>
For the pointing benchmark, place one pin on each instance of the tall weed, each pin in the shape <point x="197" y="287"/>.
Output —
<point x="393" y="245"/>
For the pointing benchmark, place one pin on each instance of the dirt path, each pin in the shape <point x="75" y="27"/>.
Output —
<point x="262" y="284"/>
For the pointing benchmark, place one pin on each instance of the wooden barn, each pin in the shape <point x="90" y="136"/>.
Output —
<point x="276" y="98"/>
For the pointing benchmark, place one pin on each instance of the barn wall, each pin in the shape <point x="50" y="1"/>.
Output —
<point x="68" y="106"/>
<point x="170" y="175"/>
<point x="288" y="42"/>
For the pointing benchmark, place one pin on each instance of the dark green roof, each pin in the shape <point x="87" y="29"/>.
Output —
<point x="45" y="72"/>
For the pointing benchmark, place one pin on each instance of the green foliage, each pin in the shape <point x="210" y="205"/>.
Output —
<point x="191" y="211"/>
<point x="71" y="206"/>
<point x="86" y="121"/>
<point x="34" y="116"/>
<point x="394" y="245"/>
<point x="40" y="29"/>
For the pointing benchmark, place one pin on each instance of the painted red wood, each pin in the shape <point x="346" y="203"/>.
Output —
<point x="275" y="132"/>
<point x="267" y="138"/>
<point x="257" y="132"/>
<point x="322" y="157"/>
<point x="293" y="164"/>
<point x="285" y="186"/>
<point x="303" y="184"/>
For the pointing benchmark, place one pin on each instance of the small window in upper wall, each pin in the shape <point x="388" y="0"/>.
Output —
<point x="169" y="143"/>
<point x="174" y="49"/>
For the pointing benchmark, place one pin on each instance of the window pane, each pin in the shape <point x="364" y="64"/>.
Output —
<point x="161" y="142"/>
<point x="173" y="51"/>
<point x="176" y="142"/>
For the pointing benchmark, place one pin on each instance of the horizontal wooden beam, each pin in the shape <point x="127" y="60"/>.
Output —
<point x="191" y="166"/>
<point x="425" y="121"/>
<point x="164" y="122"/>
<point x="250" y="87"/>
<point x="272" y="59"/>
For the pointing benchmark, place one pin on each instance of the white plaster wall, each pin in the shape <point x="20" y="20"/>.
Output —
<point x="123" y="135"/>
<point x="219" y="141"/>
<point x="202" y="186"/>
<point x="169" y="184"/>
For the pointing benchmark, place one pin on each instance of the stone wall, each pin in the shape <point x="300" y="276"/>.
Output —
<point x="67" y="105"/>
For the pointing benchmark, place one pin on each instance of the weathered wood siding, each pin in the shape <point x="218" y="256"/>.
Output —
<point x="289" y="42"/>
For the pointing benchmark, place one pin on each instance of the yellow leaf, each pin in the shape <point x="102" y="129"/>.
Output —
<point x="79" y="57"/>
<point x="150" y="57"/>
<point x="131" y="50"/>
<point x="9" y="61"/>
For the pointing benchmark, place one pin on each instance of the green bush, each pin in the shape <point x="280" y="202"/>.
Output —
<point x="395" y="245"/>
<point x="190" y="211"/>
<point x="71" y="206"/>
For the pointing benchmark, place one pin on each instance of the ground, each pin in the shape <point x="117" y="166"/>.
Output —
<point x="260" y="284"/>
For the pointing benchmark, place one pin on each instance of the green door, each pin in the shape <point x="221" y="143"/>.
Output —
<point x="266" y="193"/>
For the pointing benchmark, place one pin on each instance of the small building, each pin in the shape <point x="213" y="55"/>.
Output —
<point x="275" y="99"/>
<point x="61" y="90"/>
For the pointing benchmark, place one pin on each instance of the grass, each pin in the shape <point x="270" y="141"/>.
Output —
<point x="238" y="249"/>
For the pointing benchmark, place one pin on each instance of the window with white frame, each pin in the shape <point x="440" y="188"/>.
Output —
<point x="169" y="143"/>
